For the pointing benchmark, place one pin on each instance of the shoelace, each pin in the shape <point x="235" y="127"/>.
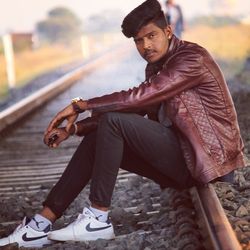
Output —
<point x="18" y="228"/>
<point x="79" y="219"/>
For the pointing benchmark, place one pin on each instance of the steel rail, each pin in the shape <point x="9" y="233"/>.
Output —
<point x="14" y="113"/>
<point x="215" y="228"/>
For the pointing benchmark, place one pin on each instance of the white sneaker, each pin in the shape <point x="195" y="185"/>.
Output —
<point x="85" y="228"/>
<point x="26" y="236"/>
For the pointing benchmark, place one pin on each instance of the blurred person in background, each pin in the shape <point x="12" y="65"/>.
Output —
<point x="179" y="128"/>
<point x="175" y="17"/>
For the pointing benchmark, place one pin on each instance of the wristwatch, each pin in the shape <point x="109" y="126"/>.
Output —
<point x="74" y="102"/>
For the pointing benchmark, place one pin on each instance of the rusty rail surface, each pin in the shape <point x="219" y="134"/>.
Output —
<point x="214" y="225"/>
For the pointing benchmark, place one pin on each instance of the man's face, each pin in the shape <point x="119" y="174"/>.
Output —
<point x="152" y="42"/>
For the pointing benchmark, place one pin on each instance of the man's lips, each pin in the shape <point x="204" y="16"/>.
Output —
<point x="149" y="53"/>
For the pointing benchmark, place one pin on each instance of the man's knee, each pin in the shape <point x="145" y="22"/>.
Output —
<point x="118" y="121"/>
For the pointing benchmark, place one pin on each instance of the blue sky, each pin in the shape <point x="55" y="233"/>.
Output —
<point x="21" y="15"/>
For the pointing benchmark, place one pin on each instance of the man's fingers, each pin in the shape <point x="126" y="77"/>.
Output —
<point x="58" y="142"/>
<point x="46" y="138"/>
<point x="50" y="127"/>
<point x="71" y="119"/>
<point x="54" y="138"/>
<point x="54" y="123"/>
<point x="68" y="126"/>
<point x="66" y="113"/>
<point x="51" y="137"/>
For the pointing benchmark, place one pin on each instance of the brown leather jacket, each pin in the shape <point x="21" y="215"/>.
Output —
<point x="191" y="91"/>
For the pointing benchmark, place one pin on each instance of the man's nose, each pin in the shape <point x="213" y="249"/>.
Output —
<point x="147" y="44"/>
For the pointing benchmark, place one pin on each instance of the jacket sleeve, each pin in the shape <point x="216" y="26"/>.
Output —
<point x="183" y="72"/>
<point x="87" y="125"/>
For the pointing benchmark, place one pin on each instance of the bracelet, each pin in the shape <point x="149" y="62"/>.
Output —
<point x="76" y="108"/>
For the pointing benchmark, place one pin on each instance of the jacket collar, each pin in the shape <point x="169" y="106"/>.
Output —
<point x="173" y="46"/>
<point x="154" y="68"/>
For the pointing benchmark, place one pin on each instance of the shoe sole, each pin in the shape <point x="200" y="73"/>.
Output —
<point x="79" y="238"/>
<point x="35" y="245"/>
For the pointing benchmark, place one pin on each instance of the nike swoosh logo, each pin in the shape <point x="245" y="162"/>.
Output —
<point x="25" y="238"/>
<point x="93" y="229"/>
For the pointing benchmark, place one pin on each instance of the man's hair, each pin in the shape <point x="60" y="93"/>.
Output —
<point x="148" y="11"/>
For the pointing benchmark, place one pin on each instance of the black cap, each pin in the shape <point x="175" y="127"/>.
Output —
<point x="140" y="16"/>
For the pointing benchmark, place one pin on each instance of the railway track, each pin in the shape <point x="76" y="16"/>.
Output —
<point x="144" y="217"/>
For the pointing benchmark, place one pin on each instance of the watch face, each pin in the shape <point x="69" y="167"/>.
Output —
<point x="77" y="99"/>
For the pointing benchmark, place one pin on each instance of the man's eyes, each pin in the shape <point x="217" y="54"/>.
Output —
<point x="151" y="36"/>
<point x="138" y="41"/>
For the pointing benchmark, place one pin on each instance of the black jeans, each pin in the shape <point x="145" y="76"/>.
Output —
<point x="122" y="140"/>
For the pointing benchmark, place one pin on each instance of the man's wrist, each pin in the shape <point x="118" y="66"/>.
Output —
<point x="73" y="129"/>
<point x="76" y="128"/>
<point x="77" y="104"/>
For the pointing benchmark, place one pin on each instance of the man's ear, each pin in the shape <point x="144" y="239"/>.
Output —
<point x="168" y="31"/>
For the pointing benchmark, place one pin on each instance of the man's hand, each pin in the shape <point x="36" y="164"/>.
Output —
<point x="53" y="138"/>
<point x="67" y="113"/>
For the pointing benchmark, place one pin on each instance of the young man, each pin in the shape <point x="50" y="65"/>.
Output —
<point x="178" y="128"/>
